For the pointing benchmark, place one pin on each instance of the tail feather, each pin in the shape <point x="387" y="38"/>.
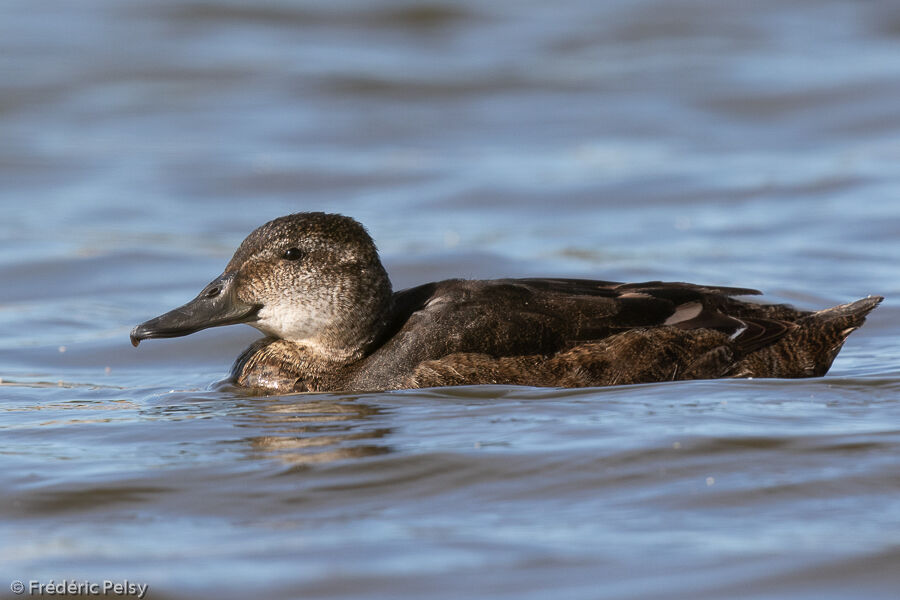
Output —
<point x="835" y="324"/>
<point x="857" y="310"/>
<point x="853" y="311"/>
<point x="809" y="350"/>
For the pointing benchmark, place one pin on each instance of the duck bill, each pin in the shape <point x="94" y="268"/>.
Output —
<point x="216" y="305"/>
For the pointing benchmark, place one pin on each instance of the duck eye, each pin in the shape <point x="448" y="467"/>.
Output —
<point x="293" y="254"/>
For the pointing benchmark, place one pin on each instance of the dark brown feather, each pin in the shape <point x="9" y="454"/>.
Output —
<point x="314" y="284"/>
<point x="567" y="333"/>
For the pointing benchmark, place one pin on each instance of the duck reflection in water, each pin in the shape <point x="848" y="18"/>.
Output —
<point x="305" y="430"/>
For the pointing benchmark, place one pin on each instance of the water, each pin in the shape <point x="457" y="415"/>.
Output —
<point x="753" y="145"/>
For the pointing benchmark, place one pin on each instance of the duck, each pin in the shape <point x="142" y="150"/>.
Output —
<point x="314" y="285"/>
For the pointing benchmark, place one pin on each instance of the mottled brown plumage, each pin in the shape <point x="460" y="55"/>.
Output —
<point x="314" y="284"/>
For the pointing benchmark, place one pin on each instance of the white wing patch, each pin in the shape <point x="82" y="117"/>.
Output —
<point x="436" y="301"/>
<point x="740" y="330"/>
<point x="684" y="312"/>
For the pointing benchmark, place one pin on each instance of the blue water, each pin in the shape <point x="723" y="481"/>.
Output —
<point x="717" y="143"/>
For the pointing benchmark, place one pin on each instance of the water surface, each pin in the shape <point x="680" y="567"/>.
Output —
<point x="754" y="146"/>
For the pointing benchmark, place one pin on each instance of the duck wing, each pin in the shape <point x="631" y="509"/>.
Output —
<point x="520" y="317"/>
<point x="682" y="305"/>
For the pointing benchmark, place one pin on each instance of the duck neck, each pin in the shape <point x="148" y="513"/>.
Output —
<point x="356" y="332"/>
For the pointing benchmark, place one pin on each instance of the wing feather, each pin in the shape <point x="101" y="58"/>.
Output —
<point x="510" y="317"/>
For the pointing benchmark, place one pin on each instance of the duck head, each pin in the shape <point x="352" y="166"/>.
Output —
<point x="310" y="278"/>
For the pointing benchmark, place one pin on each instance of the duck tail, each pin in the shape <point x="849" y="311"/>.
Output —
<point x="812" y="345"/>
<point x="827" y="330"/>
<point x="854" y="313"/>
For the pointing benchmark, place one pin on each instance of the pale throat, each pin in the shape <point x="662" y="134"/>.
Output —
<point x="314" y="329"/>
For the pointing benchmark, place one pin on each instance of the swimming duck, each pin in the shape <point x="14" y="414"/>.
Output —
<point x="314" y="285"/>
